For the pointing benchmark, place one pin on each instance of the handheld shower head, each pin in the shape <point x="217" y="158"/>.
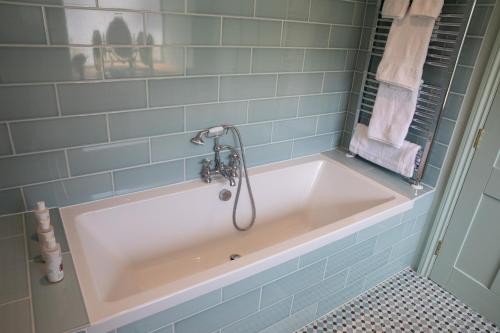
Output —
<point x="198" y="139"/>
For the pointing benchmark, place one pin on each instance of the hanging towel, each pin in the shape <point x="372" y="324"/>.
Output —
<point x="395" y="9"/>
<point x="400" y="160"/>
<point x="405" y="52"/>
<point x="426" y="8"/>
<point x="392" y="114"/>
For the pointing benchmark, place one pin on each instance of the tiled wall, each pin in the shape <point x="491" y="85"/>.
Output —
<point x="460" y="83"/>
<point x="280" y="299"/>
<point x="459" y="87"/>
<point x="98" y="101"/>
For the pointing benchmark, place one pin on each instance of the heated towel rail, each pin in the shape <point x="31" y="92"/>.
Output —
<point x="444" y="48"/>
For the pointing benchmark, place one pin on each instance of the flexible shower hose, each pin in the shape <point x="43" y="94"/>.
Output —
<point x="238" y="190"/>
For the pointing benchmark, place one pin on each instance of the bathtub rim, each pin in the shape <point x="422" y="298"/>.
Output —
<point x="222" y="275"/>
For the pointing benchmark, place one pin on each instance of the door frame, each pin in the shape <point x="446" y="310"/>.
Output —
<point x="480" y="111"/>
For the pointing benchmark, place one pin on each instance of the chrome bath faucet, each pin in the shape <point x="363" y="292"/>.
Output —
<point x="236" y="168"/>
<point x="229" y="171"/>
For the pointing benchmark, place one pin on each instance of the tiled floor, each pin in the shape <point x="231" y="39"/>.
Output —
<point x="404" y="303"/>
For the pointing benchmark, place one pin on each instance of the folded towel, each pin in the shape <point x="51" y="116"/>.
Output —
<point x="395" y="9"/>
<point x="405" y="52"/>
<point x="392" y="114"/>
<point x="426" y="8"/>
<point x="398" y="160"/>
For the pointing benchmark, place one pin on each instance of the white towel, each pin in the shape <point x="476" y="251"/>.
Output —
<point x="405" y="52"/>
<point x="392" y="114"/>
<point x="426" y="8"/>
<point x="395" y="9"/>
<point x="398" y="160"/>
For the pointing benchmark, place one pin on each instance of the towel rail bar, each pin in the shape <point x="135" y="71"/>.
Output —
<point x="446" y="42"/>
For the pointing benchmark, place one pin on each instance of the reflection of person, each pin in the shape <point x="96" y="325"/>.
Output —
<point x="78" y="61"/>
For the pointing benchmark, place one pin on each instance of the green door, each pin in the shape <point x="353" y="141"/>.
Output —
<point x="468" y="264"/>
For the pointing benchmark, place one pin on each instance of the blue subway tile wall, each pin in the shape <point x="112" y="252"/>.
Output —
<point x="459" y="85"/>
<point x="93" y="92"/>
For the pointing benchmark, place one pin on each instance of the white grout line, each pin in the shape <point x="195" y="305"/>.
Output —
<point x="184" y="113"/>
<point x="248" y="112"/>
<point x="23" y="198"/>
<point x="58" y="102"/>
<point x="45" y="26"/>
<point x="251" y="60"/>
<point x="298" y="107"/>
<point x="291" y="305"/>
<point x="108" y="130"/>
<point x="97" y="7"/>
<point x="276" y="86"/>
<point x="185" y="60"/>
<point x="17" y="299"/>
<point x="184" y="167"/>
<point x="113" y="187"/>
<point x="326" y="264"/>
<point x="346" y="61"/>
<point x="309" y="11"/>
<point x="89" y="46"/>
<point x="150" y="149"/>
<point x="28" y="277"/>
<point x="330" y="35"/>
<point x="272" y="130"/>
<point x="148" y="103"/>
<point x="218" y="88"/>
<point x="260" y="298"/>
<point x="66" y="158"/>
<point x="304" y="60"/>
<point x="11" y="140"/>
<point x="220" y="32"/>
<point x="282" y="42"/>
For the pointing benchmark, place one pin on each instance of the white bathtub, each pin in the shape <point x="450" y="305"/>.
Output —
<point x="142" y="253"/>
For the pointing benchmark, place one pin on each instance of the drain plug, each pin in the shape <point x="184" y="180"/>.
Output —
<point x="225" y="195"/>
<point x="234" y="256"/>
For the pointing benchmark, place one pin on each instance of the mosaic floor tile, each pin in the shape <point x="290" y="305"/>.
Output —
<point x="404" y="303"/>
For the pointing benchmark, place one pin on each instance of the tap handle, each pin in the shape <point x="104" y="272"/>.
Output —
<point x="206" y="173"/>
<point x="234" y="160"/>
<point x="234" y="157"/>
<point x="206" y="163"/>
